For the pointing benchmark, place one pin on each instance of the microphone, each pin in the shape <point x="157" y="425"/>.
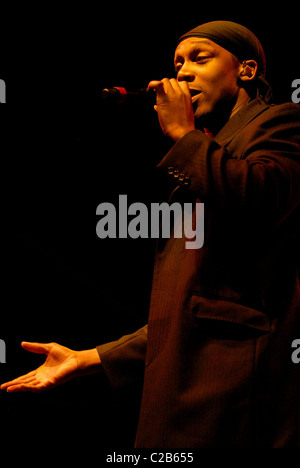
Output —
<point x="120" y="95"/>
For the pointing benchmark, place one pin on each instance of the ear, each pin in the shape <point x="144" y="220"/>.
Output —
<point x="248" y="70"/>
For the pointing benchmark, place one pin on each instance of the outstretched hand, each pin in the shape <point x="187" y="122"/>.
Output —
<point x="62" y="364"/>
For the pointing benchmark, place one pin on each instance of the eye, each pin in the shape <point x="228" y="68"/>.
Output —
<point x="178" y="65"/>
<point x="202" y="58"/>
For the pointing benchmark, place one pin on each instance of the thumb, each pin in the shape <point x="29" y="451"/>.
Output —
<point x="39" y="348"/>
<point x="155" y="84"/>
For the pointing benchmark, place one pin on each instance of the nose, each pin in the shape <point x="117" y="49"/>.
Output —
<point x="185" y="73"/>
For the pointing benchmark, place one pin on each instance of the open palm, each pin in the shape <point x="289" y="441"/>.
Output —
<point x="61" y="365"/>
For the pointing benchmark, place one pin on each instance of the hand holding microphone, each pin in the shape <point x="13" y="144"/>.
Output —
<point x="173" y="104"/>
<point x="174" y="107"/>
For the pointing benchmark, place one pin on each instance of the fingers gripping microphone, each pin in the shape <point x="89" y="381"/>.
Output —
<point x="120" y="95"/>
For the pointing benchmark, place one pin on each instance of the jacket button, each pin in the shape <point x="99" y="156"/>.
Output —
<point x="186" y="181"/>
<point x="170" y="170"/>
<point x="181" y="177"/>
<point x="176" y="173"/>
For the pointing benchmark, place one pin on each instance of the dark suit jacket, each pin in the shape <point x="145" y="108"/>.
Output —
<point x="216" y="355"/>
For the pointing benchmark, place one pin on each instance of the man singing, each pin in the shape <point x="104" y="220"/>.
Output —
<point x="215" y="356"/>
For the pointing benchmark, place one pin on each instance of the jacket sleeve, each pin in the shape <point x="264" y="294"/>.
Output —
<point x="257" y="173"/>
<point x="123" y="361"/>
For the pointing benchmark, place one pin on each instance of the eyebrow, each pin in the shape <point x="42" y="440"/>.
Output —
<point x="197" y="42"/>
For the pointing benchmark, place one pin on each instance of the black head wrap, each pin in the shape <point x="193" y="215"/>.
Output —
<point x="239" y="41"/>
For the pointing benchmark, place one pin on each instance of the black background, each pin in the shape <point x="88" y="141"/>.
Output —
<point x="64" y="152"/>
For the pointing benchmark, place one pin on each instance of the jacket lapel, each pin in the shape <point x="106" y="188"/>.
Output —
<point x="240" y="120"/>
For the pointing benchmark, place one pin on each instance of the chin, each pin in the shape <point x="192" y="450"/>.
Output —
<point x="202" y="109"/>
<point x="202" y="113"/>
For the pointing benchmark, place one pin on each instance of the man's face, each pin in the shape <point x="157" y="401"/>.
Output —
<point x="210" y="71"/>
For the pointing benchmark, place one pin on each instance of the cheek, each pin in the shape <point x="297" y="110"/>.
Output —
<point x="222" y="83"/>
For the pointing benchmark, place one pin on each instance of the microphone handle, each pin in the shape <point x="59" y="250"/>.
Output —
<point x="121" y="95"/>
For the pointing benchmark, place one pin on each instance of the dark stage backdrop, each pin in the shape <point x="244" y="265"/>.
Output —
<point x="64" y="153"/>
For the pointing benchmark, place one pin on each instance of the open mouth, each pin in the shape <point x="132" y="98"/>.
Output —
<point x="195" y="94"/>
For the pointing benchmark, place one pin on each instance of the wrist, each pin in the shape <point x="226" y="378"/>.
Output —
<point x="178" y="132"/>
<point x="88" y="361"/>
